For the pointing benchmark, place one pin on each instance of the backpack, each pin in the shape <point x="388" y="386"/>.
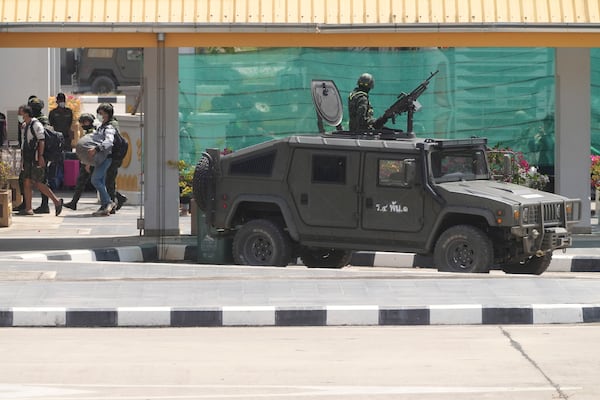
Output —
<point x="54" y="143"/>
<point x="120" y="146"/>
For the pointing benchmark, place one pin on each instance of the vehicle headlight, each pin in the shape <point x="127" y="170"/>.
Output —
<point x="573" y="210"/>
<point x="525" y="214"/>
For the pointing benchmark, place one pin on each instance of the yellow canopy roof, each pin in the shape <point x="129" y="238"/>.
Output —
<point x="375" y="22"/>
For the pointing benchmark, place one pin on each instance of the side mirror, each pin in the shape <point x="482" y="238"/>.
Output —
<point x="410" y="169"/>
<point x="507" y="165"/>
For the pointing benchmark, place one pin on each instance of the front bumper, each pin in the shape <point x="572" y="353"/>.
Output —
<point x="535" y="242"/>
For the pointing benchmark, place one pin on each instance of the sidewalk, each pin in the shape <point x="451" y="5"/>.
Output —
<point x="74" y="230"/>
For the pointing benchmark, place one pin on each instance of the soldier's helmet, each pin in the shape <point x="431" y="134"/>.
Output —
<point x="36" y="105"/>
<point x="86" y="117"/>
<point x="366" y="81"/>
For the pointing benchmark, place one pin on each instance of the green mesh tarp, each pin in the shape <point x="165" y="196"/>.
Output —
<point x="238" y="97"/>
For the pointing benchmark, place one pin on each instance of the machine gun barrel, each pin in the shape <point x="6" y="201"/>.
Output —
<point x="406" y="102"/>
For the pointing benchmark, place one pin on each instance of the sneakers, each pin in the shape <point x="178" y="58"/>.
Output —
<point x="104" y="210"/>
<point x="70" y="205"/>
<point x="120" y="200"/>
<point x="42" y="210"/>
<point x="25" y="212"/>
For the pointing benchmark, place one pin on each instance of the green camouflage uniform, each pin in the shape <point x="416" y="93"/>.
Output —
<point x="360" y="111"/>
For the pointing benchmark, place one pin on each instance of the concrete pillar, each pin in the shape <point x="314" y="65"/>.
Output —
<point x="161" y="140"/>
<point x="573" y="127"/>
<point x="54" y="71"/>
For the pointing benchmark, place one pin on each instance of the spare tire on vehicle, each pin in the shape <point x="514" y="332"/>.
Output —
<point x="204" y="183"/>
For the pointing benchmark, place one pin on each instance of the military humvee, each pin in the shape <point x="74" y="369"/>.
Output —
<point x="322" y="197"/>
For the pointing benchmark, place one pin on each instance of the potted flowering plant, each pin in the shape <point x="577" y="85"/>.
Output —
<point x="5" y="171"/>
<point x="595" y="172"/>
<point x="5" y="195"/>
<point x="186" y="178"/>
<point x="522" y="172"/>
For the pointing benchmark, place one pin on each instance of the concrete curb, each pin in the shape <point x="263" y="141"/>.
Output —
<point x="182" y="252"/>
<point x="468" y="314"/>
<point x="560" y="262"/>
<point x="142" y="253"/>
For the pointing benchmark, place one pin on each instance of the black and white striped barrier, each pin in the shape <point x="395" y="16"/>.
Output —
<point x="469" y="314"/>
<point x="178" y="252"/>
<point x="560" y="262"/>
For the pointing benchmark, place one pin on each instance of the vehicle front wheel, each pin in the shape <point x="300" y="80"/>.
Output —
<point x="262" y="242"/>
<point x="463" y="248"/>
<point x="532" y="266"/>
<point x="316" y="257"/>
<point x="103" y="84"/>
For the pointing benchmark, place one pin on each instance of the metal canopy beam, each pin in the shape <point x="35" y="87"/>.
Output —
<point x="253" y="39"/>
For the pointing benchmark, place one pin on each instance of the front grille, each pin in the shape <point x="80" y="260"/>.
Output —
<point x="553" y="212"/>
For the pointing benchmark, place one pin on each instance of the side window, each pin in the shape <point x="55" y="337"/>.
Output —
<point x="328" y="169"/>
<point x="392" y="173"/>
<point x="100" y="53"/>
<point x="261" y="165"/>
<point x="134" y="54"/>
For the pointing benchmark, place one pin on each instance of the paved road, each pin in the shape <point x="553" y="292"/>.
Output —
<point x="105" y="284"/>
<point x="430" y="363"/>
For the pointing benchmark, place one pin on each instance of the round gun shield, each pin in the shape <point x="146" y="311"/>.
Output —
<point x="328" y="102"/>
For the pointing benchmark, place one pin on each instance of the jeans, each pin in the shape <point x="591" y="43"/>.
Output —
<point x="99" y="181"/>
<point x="111" y="178"/>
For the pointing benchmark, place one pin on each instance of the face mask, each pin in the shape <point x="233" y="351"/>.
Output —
<point x="100" y="118"/>
<point x="20" y="119"/>
<point x="62" y="104"/>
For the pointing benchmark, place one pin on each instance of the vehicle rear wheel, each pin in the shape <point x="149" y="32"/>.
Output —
<point x="103" y="84"/>
<point x="203" y="183"/>
<point x="532" y="266"/>
<point x="316" y="257"/>
<point x="262" y="242"/>
<point x="463" y="248"/>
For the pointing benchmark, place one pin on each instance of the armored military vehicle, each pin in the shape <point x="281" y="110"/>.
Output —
<point x="102" y="70"/>
<point x="322" y="197"/>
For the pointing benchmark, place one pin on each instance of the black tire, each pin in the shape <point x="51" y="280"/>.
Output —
<point x="463" y="248"/>
<point x="316" y="257"/>
<point x="262" y="242"/>
<point x="203" y="184"/>
<point x="531" y="266"/>
<point x="103" y="84"/>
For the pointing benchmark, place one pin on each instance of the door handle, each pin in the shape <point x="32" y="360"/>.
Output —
<point x="304" y="198"/>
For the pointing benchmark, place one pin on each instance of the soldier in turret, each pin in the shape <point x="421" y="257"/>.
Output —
<point x="360" y="109"/>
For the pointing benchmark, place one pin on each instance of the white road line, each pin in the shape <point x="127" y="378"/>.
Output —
<point x="55" y="392"/>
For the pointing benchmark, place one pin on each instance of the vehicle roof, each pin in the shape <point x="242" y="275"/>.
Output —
<point x="372" y="142"/>
<point x="360" y="142"/>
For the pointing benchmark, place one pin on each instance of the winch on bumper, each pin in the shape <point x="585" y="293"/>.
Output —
<point x="543" y="227"/>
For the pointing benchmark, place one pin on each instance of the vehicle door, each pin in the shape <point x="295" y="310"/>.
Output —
<point x="324" y="187"/>
<point x="392" y="201"/>
<point x="129" y="62"/>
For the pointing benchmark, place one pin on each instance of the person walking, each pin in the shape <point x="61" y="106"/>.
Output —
<point x="100" y="155"/>
<point x="34" y="165"/>
<point x="3" y="131"/>
<point x="86" y="122"/>
<point x="37" y="105"/>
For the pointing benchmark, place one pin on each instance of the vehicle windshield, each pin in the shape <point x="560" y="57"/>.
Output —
<point x="453" y="165"/>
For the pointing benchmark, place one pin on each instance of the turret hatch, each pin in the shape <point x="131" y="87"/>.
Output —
<point x="328" y="103"/>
